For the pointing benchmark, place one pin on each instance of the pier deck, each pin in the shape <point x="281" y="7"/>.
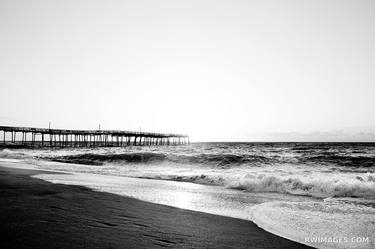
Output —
<point x="42" y="137"/>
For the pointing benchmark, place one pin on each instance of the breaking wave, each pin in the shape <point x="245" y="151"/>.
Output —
<point x="321" y="187"/>
<point x="360" y="186"/>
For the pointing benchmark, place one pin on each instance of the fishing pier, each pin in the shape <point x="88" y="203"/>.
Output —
<point x="42" y="137"/>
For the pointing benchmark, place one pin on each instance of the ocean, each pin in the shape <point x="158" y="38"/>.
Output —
<point x="320" y="194"/>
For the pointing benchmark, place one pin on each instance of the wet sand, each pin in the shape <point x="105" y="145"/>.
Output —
<point x="38" y="214"/>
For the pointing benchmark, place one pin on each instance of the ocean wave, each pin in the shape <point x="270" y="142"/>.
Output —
<point x="357" y="187"/>
<point x="322" y="187"/>
<point x="217" y="155"/>
<point x="200" y="179"/>
<point x="216" y="159"/>
<point x="244" y="168"/>
<point x="100" y="159"/>
<point x="342" y="160"/>
<point x="319" y="187"/>
<point x="305" y="180"/>
<point x="13" y="154"/>
<point x="221" y="160"/>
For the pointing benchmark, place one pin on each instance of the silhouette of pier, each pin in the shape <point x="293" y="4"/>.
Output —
<point x="42" y="137"/>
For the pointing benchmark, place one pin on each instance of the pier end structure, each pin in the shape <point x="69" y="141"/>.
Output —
<point x="42" y="137"/>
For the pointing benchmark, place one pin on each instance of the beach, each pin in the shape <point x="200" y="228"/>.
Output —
<point x="187" y="124"/>
<point x="204" y="195"/>
<point x="38" y="214"/>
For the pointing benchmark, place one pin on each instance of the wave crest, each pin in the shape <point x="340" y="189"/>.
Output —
<point x="326" y="187"/>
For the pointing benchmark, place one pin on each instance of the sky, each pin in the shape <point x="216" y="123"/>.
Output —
<point x="234" y="70"/>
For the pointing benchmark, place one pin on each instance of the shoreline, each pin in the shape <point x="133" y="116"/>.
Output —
<point x="39" y="214"/>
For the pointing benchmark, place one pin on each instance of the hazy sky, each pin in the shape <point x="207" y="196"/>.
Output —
<point x="216" y="70"/>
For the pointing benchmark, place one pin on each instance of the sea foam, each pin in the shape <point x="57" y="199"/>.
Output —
<point x="329" y="224"/>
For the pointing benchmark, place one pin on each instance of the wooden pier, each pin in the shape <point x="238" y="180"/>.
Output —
<point x="41" y="137"/>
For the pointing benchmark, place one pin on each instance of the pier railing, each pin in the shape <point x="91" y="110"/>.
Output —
<point x="42" y="137"/>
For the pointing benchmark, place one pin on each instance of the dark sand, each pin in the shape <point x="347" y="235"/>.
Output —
<point x="38" y="214"/>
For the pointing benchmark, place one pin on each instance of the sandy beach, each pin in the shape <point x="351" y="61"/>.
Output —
<point x="38" y="214"/>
